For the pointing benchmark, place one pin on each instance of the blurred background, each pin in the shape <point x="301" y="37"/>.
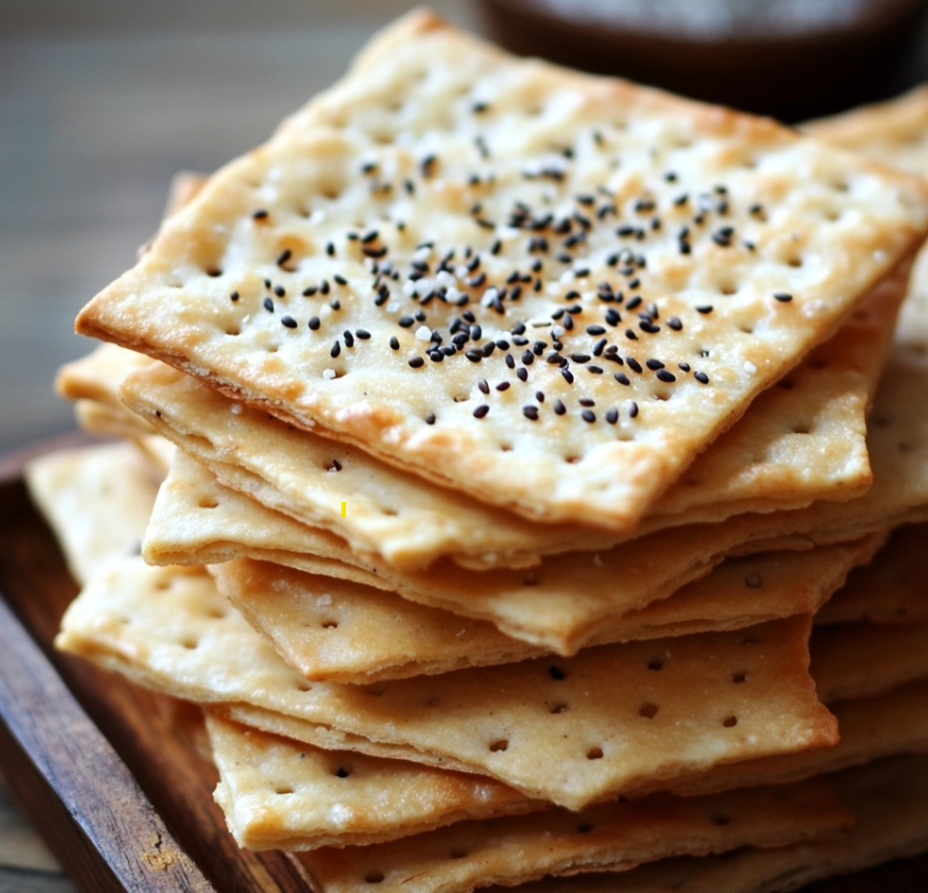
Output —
<point x="102" y="101"/>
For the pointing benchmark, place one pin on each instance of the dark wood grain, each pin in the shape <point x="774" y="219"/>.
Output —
<point x="151" y="734"/>
<point x="142" y="727"/>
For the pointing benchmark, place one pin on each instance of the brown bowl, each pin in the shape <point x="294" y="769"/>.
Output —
<point x="770" y="63"/>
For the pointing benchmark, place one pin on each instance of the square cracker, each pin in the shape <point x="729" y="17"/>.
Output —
<point x="615" y="835"/>
<point x="97" y="500"/>
<point x="386" y="174"/>
<point x="342" y="631"/>
<point x="280" y="794"/>
<point x="670" y="707"/>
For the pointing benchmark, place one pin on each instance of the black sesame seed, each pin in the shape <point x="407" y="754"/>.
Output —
<point x="394" y="343"/>
<point x="622" y="378"/>
<point x="336" y="304"/>
<point x="484" y="387"/>
<point x="631" y="335"/>
<point x="280" y="291"/>
<point x="330" y="249"/>
<point x="649" y="327"/>
<point x="580" y="357"/>
<point x="363" y="334"/>
<point x="288" y="321"/>
<point x="341" y="280"/>
<point x="417" y="362"/>
<point x="665" y="375"/>
<point x="613" y="317"/>
<point x="559" y="407"/>
<point x="349" y="338"/>
<point x="475" y="356"/>
<point x="782" y="296"/>
<point x="481" y="411"/>
<point x="594" y="370"/>
<point x="683" y="367"/>
<point x="234" y="296"/>
<point x="336" y="349"/>
<point x="633" y="364"/>
<point x="701" y="377"/>
<point x="324" y="286"/>
<point x="612" y="415"/>
<point x="488" y="349"/>
<point x="269" y="305"/>
<point x="260" y="214"/>
<point x="522" y="373"/>
<point x="436" y="356"/>
<point x="674" y="323"/>
<point x="568" y="376"/>
<point x="284" y="256"/>
<point x="430" y="418"/>
<point x="528" y="358"/>
<point x="706" y="308"/>
<point x="588" y="415"/>
<point x="595" y="330"/>
<point x="502" y="344"/>
<point x="309" y="292"/>
<point x="503" y="386"/>
<point x="587" y="401"/>
<point x="598" y="347"/>
<point x="530" y="412"/>
<point x="633" y="409"/>
<point x="405" y="321"/>
<point x="510" y="361"/>
<point x="314" y="323"/>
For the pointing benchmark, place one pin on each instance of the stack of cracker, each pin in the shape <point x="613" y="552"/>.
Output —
<point x="521" y="420"/>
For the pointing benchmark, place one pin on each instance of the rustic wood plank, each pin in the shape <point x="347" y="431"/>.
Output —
<point x="107" y="835"/>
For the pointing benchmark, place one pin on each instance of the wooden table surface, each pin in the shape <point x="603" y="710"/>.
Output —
<point x="100" y="103"/>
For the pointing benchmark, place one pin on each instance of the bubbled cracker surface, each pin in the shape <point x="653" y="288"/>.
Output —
<point x="519" y="849"/>
<point x="512" y="723"/>
<point x="423" y="106"/>
<point x="279" y="794"/>
<point x="338" y="630"/>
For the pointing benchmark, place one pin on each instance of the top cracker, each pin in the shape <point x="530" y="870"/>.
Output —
<point x="544" y="288"/>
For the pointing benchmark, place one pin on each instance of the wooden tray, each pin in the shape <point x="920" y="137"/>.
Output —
<point x="104" y="768"/>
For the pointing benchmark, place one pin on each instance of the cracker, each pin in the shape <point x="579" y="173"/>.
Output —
<point x="98" y="375"/>
<point x="341" y="631"/>
<point x="97" y="501"/>
<point x="278" y="794"/>
<point x="615" y="835"/>
<point x="890" y="800"/>
<point x="110" y="421"/>
<point x="336" y="173"/>
<point x="513" y="723"/>
<point x="893" y="132"/>
<point x="893" y="589"/>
